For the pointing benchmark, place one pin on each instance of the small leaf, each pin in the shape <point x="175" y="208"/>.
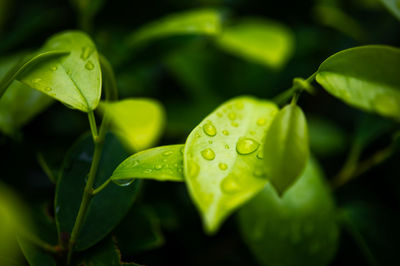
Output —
<point x="163" y="163"/>
<point x="296" y="229"/>
<point x="393" y="6"/>
<point x="365" y="77"/>
<point x="286" y="148"/>
<point x="73" y="79"/>
<point x="107" y="208"/>
<point x="202" y="21"/>
<point x="137" y="122"/>
<point x="262" y="41"/>
<point x="222" y="158"/>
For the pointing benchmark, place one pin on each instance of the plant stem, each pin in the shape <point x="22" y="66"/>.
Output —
<point x="287" y="94"/>
<point x="93" y="126"/>
<point x="101" y="187"/>
<point x="40" y="243"/>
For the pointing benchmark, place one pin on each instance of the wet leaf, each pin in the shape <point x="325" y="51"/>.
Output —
<point x="137" y="122"/>
<point x="222" y="158"/>
<point x="286" y="148"/>
<point x="262" y="41"/>
<point x="163" y="163"/>
<point x="365" y="77"/>
<point x="296" y="229"/>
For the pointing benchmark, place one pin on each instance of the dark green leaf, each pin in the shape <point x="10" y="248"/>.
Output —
<point x="163" y="163"/>
<point x="35" y="255"/>
<point x="106" y="208"/>
<point x="222" y="158"/>
<point x="286" y="148"/>
<point x="296" y="229"/>
<point x="365" y="77"/>
<point x="393" y="6"/>
<point x="103" y="254"/>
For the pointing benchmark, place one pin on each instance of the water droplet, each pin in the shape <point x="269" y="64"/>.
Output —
<point x="229" y="185"/>
<point x="261" y="122"/>
<point x="54" y="68"/>
<point x="225" y="132"/>
<point x="167" y="153"/>
<point x="232" y="116"/>
<point x="158" y="166"/>
<point x="234" y="124"/>
<point x="226" y="146"/>
<point x="123" y="182"/>
<point x="89" y="65"/>
<point x="387" y="105"/>
<point x="258" y="173"/>
<point x="246" y="146"/>
<point x="35" y="81"/>
<point x="86" y="52"/>
<point x="260" y="154"/>
<point x="223" y="166"/>
<point x="208" y="154"/>
<point x="148" y="171"/>
<point x="209" y="129"/>
<point x="193" y="169"/>
<point x="48" y="89"/>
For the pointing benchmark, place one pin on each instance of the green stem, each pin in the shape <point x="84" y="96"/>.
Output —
<point x="101" y="187"/>
<point x="287" y="94"/>
<point x="40" y="243"/>
<point x="45" y="167"/>
<point x="93" y="126"/>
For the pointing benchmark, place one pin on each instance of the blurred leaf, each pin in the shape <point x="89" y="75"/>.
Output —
<point x="369" y="128"/>
<point x="137" y="122"/>
<point x="297" y="229"/>
<point x="222" y="161"/>
<point x="374" y="229"/>
<point x="106" y="208"/>
<point x="286" y="148"/>
<point x="262" y="41"/>
<point x="139" y="231"/>
<point x="326" y="138"/>
<point x="393" y="6"/>
<point x="365" y="77"/>
<point x="201" y="21"/>
<point x="88" y="8"/>
<point x="103" y="254"/>
<point x="74" y="79"/>
<point x="163" y="163"/>
<point x="35" y="255"/>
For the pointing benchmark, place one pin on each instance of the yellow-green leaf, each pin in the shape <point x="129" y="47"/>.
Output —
<point x="222" y="158"/>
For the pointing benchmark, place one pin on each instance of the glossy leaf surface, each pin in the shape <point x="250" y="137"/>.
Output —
<point x="365" y="77"/>
<point x="296" y="229"/>
<point x="202" y="21"/>
<point x="137" y="122"/>
<point x="75" y="78"/>
<point x="163" y="163"/>
<point x="262" y="41"/>
<point x="286" y="148"/>
<point x="393" y="6"/>
<point x="222" y="159"/>
<point x="102" y="215"/>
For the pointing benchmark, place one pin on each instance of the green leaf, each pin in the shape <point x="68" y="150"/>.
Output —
<point x="103" y="254"/>
<point x="73" y="79"/>
<point x="262" y="41"/>
<point x="137" y="122"/>
<point x="139" y="231"/>
<point x="106" y="208"/>
<point x="286" y="148"/>
<point x="365" y="77"/>
<point x="35" y="255"/>
<point x="296" y="229"/>
<point x="201" y="21"/>
<point x="393" y="6"/>
<point x="163" y="163"/>
<point x="222" y="159"/>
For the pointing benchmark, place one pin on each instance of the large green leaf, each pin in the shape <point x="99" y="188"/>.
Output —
<point x="286" y="148"/>
<point x="366" y="77"/>
<point x="296" y="229"/>
<point x="393" y="6"/>
<point x="163" y="163"/>
<point x="106" y="208"/>
<point x="137" y="122"/>
<point x="201" y="21"/>
<point x="75" y="78"/>
<point x="222" y="158"/>
<point x="262" y="41"/>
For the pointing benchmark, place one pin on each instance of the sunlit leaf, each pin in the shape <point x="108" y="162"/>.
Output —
<point x="296" y="229"/>
<point x="137" y="122"/>
<point x="365" y="77"/>
<point x="202" y="21"/>
<point x="393" y="6"/>
<point x="107" y="208"/>
<point x="163" y="163"/>
<point x="286" y="148"/>
<point x="222" y="158"/>
<point x="262" y="41"/>
<point x="75" y="78"/>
